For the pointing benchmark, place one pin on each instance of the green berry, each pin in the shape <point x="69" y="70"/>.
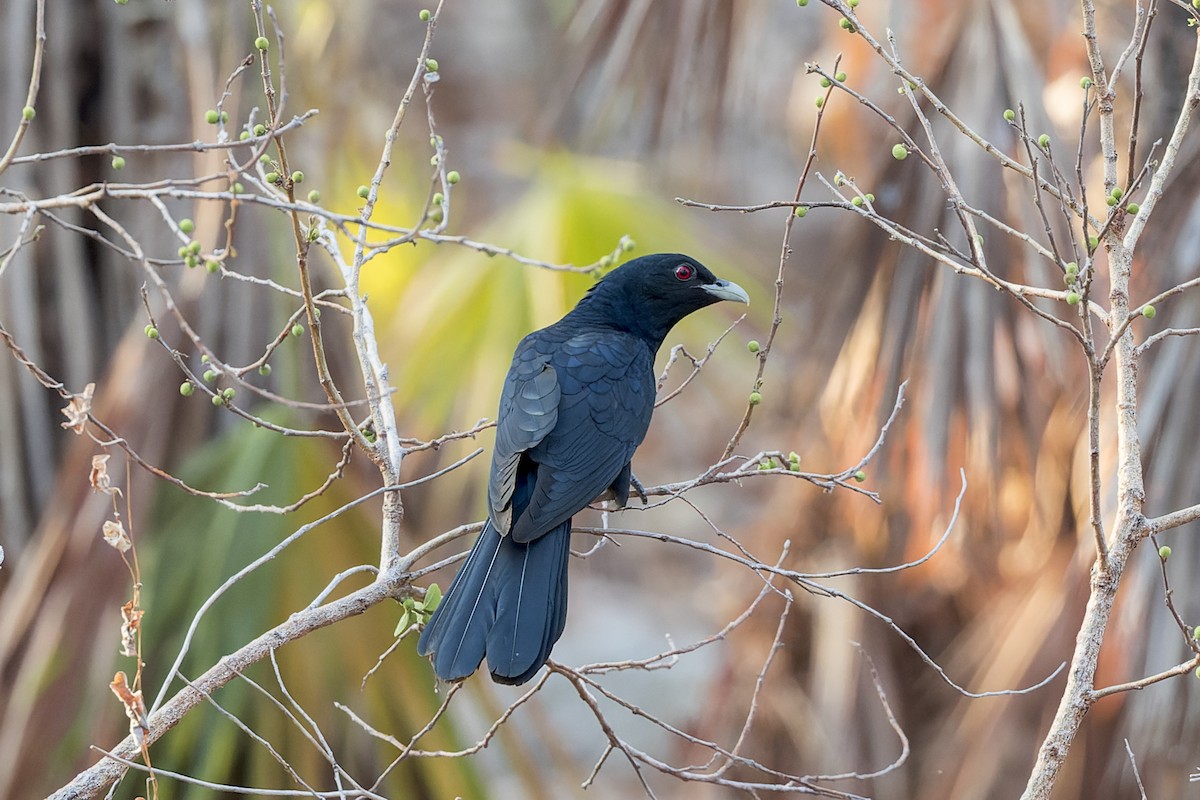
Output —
<point x="826" y="83"/>
<point x="186" y="225"/>
<point x="1110" y="201"/>
<point x="1093" y="242"/>
<point x="260" y="130"/>
<point x="261" y="43"/>
<point x="190" y="260"/>
<point x="841" y="77"/>
<point x="1164" y="552"/>
<point x="1195" y="3"/>
<point x="628" y="244"/>
<point x="753" y="346"/>
<point x="1196" y="632"/>
<point x="1117" y="193"/>
<point x="193" y="247"/>
<point x="1009" y="115"/>
<point x="1073" y="298"/>
<point x="437" y="215"/>
<point x="846" y="25"/>
<point x="297" y="177"/>
<point x="453" y="177"/>
<point x="1148" y="312"/>
<point x="899" y="152"/>
<point x="243" y="136"/>
<point x="438" y="198"/>
<point x="431" y="65"/>
<point x="204" y="359"/>
<point x="1072" y="268"/>
<point x="264" y="370"/>
<point x="212" y="266"/>
<point x="1132" y="208"/>
<point x="187" y="388"/>
<point x="151" y="331"/>
<point x="820" y="101"/>
<point x="1085" y="82"/>
<point x="237" y="188"/>
<point x="856" y="201"/>
<point x="425" y="15"/>
<point x="118" y="162"/>
<point x="121" y="2"/>
<point x="272" y="177"/>
<point x="1044" y="141"/>
<point x="434" y="160"/>
<point x="229" y="393"/>
<point x="802" y="3"/>
<point x="210" y="375"/>
<point x="870" y="197"/>
<point x="183" y="251"/>
<point x="28" y="113"/>
<point x="800" y="211"/>
<point x="852" y="3"/>
<point x="755" y="398"/>
<point x="860" y="476"/>
<point x="363" y="192"/>
<point x="314" y="196"/>
<point x="217" y="400"/>
<point x="211" y="116"/>
<point x="297" y="329"/>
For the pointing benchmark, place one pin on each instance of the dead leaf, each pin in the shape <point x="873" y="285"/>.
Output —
<point x="78" y="409"/>
<point x="135" y="707"/>
<point x="99" y="477"/>
<point x="131" y="623"/>
<point x="115" y="535"/>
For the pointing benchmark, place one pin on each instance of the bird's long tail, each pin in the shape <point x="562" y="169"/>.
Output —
<point x="508" y="601"/>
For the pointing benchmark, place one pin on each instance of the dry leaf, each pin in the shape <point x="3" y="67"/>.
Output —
<point x="115" y="535"/>
<point x="131" y="622"/>
<point x="99" y="477"/>
<point x="135" y="707"/>
<point x="78" y="409"/>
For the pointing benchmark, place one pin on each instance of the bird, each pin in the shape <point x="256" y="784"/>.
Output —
<point x="575" y="405"/>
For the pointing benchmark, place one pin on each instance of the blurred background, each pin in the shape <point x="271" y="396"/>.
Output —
<point x="573" y="124"/>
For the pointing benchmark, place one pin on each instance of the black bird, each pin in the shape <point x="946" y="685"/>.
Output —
<point x="575" y="405"/>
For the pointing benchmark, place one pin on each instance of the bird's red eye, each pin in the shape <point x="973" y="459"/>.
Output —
<point x="684" y="272"/>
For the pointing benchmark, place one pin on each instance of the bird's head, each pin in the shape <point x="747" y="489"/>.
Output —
<point x="649" y="295"/>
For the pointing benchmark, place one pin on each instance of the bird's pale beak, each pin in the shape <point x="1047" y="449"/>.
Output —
<point x="727" y="290"/>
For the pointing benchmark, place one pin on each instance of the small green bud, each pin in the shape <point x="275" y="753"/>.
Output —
<point x="1117" y="193"/>
<point x="438" y="198"/>
<point x="191" y="261"/>
<point x="1073" y="298"/>
<point x="1044" y="141"/>
<point x="856" y="201"/>
<point x="1009" y="115"/>
<point x="272" y="177"/>
<point x="261" y="43"/>
<point x="183" y="251"/>
<point x="846" y="25"/>
<point x="204" y="359"/>
<point x="217" y="400"/>
<point x="1196" y="632"/>
<point x="794" y="457"/>
<point x="453" y="177"/>
<point x="434" y="160"/>
<point x="753" y="346"/>
<point x="121" y="2"/>
<point x="297" y="177"/>
<point x="1133" y="208"/>
<point x="211" y="116"/>
<point x="237" y="188"/>
<point x="437" y="215"/>
<point x="860" y="476"/>
<point x="899" y="152"/>
<point x="819" y="100"/>
<point x="801" y="3"/>
<point x="1093" y="242"/>
<point x="151" y="332"/>
<point x="1069" y="278"/>
<point x="314" y="196"/>
<point x="1085" y="82"/>
<point x="193" y="247"/>
<point x="424" y="15"/>
<point x="212" y="266"/>
<point x="840" y="77"/>
<point x="229" y="393"/>
<point x="1195" y="3"/>
<point x="187" y="388"/>
<point x="628" y="244"/>
<point x="297" y="329"/>
<point x="852" y="4"/>
<point x="1072" y="268"/>
<point x="1110" y="201"/>
<point x="264" y="370"/>
<point x="800" y="211"/>
<point x="243" y="136"/>
<point x="260" y="130"/>
<point x="186" y="225"/>
<point x="28" y="113"/>
<point x="364" y="192"/>
<point x="826" y="83"/>
<point x="755" y="398"/>
<point x="431" y="65"/>
<point x="1148" y="312"/>
<point x="118" y="162"/>
<point x="606" y="261"/>
<point x="870" y="197"/>
<point x="1164" y="552"/>
<point x="210" y="375"/>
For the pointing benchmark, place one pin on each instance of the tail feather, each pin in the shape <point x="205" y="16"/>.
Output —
<point x="508" y="602"/>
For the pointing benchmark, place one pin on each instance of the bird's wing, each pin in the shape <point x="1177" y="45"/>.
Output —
<point x="528" y="412"/>
<point x="606" y="397"/>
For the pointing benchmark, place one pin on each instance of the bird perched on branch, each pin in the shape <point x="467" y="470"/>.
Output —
<point x="575" y="405"/>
